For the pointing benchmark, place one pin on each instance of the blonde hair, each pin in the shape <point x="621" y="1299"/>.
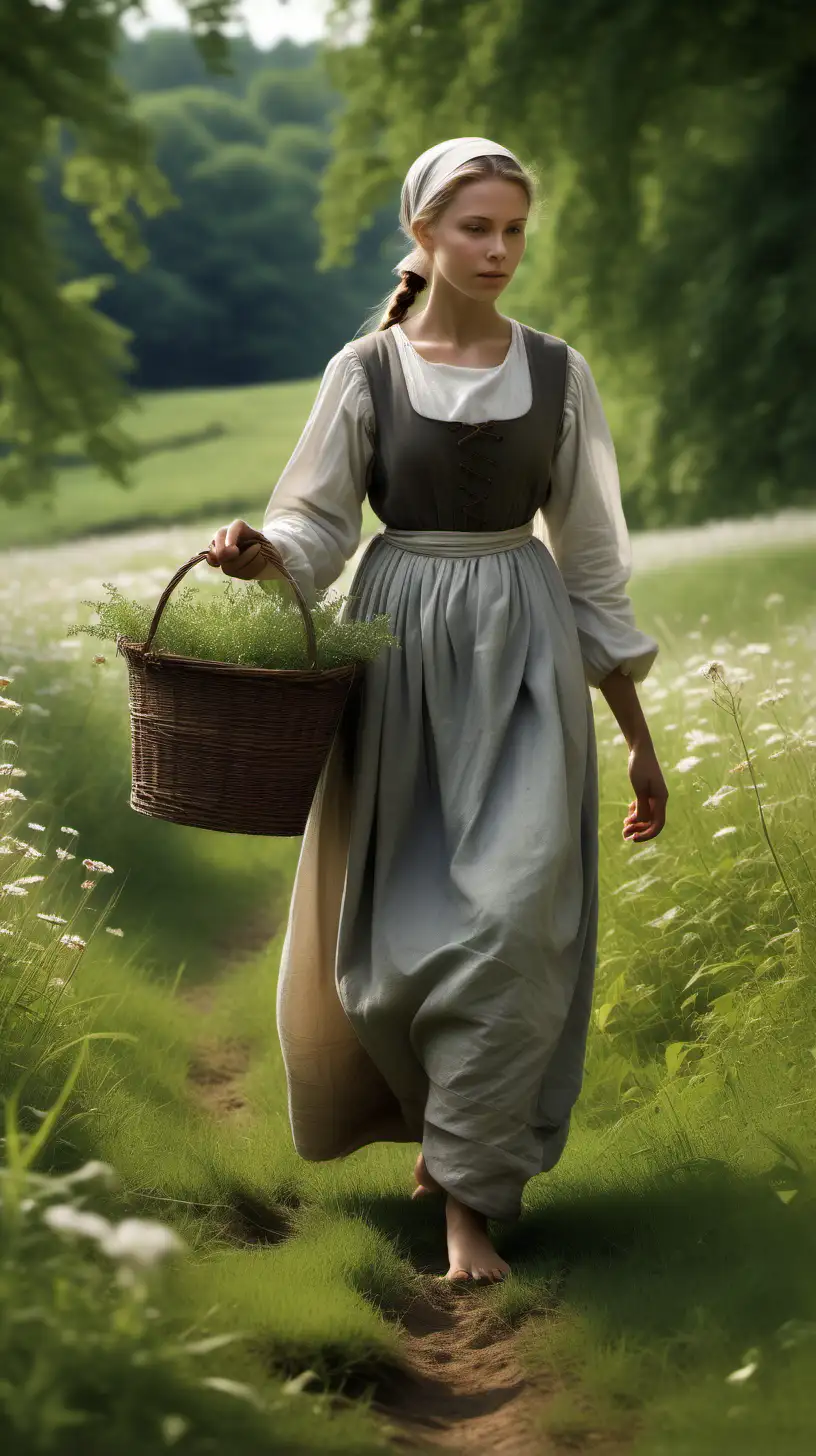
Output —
<point x="412" y="284"/>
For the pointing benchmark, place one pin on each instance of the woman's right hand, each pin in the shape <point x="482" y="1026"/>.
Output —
<point x="236" y="550"/>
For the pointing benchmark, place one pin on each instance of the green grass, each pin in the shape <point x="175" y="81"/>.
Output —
<point x="224" y="477"/>
<point x="672" y="1245"/>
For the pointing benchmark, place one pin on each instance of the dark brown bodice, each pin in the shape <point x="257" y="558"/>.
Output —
<point x="439" y="475"/>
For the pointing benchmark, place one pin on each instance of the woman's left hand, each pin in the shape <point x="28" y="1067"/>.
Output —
<point x="647" y="812"/>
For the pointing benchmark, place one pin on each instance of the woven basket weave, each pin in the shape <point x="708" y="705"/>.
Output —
<point x="220" y="746"/>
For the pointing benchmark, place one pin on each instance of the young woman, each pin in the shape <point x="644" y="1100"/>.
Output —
<point x="438" y="965"/>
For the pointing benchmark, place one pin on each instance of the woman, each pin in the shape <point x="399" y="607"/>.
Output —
<point x="438" y="965"/>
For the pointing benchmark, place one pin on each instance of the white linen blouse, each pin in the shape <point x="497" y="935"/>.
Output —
<point x="314" y="515"/>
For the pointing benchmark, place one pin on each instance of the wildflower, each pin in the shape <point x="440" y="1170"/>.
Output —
<point x="74" y="942"/>
<point x="92" y="1169"/>
<point x="666" y="916"/>
<point x="772" y="697"/>
<point x="37" y="710"/>
<point x="66" y="829"/>
<point x="713" y="669"/>
<point x="726" y="829"/>
<point x="141" y="1241"/>
<point x="6" y="930"/>
<point x="684" y="764"/>
<point x="13" y="773"/>
<point x="87" y="885"/>
<point x="65" y="1219"/>
<point x="755" y="649"/>
<point x="63" y="854"/>
<point x="30" y="880"/>
<point x="6" y="682"/>
<point x="774" y="599"/>
<point x="697" y="737"/>
<point x="100" y="659"/>
<point x="30" y="825"/>
<point x="8" y="794"/>
<point x="11" y="705"/>
<point x="740" y="767"/>
<point x="98" y="866"/>
<point x="738" y="1377"/>
<point x="13" y="889"/>
<point x="57" y="981"/>
<point x="51" y="919"/>
<point x="113" y="930"/>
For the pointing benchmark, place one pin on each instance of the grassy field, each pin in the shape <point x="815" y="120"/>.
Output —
<point x="212" y="453"/>
<point x="663" y="1300"/>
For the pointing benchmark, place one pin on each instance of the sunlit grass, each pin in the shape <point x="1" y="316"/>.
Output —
<point x="674" y="1237"/>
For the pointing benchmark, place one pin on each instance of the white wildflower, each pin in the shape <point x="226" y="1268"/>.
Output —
<point x="31" y="825"/>
<point x="8" y="795"/>
<point x="738" y="1377"/>
<point x="52" y="919"/>
<point x="74" y="942"/>
<point x="714" y="668"/>
<point x="772" y="696"/>
<point x="755" y="649"/>
<point x="683" y="765"/>
<point x="6" y="930"/>
<point x="66" y="829"/>
<point x="38" y="710"/>
<point x="93" y="1169"/>
<point x="774" y="599"/>
<point x="726" y="829"/>
<point x="11" y="705"/>
<point x="63" y="854"/>
<point x="12" y="772"/>
<point x="98" y="867"/>
<point x="57" y="981"/>
<point x="666" y="916"/>
<point x="113" y="930"/>
<point x="697" y="738"/>
<point x="142" y="1241"/>
<point x="6" y="682"/>
<point x="13" y="889"/>
<point x="65" y="1219"/>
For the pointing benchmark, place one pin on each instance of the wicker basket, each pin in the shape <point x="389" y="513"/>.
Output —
<point x="220" y="746"/>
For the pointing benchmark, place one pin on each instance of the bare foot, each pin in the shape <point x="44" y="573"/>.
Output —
<point x="471" y="1254"/>
<point x="425" y="1183"/>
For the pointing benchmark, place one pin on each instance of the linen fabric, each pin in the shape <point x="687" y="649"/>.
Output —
<point x="437" y="969"/>
<point x="314" y="515"/>
<point x="423" y="178"/>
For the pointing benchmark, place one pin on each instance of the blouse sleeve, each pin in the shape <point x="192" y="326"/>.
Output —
<point x="315" y="513"/>
<point x="588" y="534"/>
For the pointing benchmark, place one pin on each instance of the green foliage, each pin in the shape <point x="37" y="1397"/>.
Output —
<point x="243" y="624"/>
<point x="679" y="231"/>
<point x="60" y="361"/>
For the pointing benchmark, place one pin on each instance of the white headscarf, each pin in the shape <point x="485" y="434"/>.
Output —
<point x="425" y="176"/>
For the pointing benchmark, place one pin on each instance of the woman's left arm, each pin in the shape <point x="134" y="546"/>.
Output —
<point x="589" y="540"/>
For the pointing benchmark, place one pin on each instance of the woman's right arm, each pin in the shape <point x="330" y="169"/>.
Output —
<point x="314" y="516"/>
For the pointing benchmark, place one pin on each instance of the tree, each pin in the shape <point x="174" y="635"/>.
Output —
<point x="674" y="142"/>
<point x="62" y="363"/>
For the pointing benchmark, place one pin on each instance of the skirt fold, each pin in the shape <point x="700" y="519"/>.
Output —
<point x="437" y="974"/>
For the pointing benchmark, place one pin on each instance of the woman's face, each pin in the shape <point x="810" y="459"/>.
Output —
<point x="480" y="233"/>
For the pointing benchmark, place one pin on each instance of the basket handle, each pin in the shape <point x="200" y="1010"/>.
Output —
<point x="274" y="557"/>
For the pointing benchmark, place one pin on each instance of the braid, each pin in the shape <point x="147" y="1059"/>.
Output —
<point x="401" y="299"/>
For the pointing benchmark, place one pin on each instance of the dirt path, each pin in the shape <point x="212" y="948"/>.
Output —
<point x="462" y="1387"/>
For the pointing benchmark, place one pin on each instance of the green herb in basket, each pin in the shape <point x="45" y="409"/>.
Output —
<point x="242" y="624"/>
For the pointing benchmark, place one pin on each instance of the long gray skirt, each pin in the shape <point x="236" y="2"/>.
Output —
<point x="438" y="965"/>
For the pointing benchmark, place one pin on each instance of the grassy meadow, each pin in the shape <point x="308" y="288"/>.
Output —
<point x="201" y="1287"/>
